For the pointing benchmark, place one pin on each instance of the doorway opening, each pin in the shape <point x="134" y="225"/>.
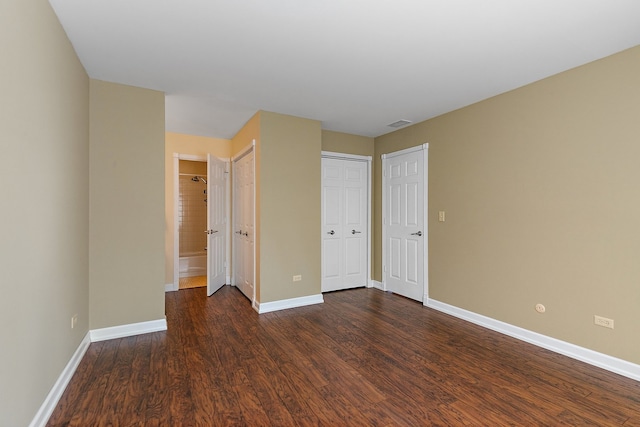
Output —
<point x="200" y="226"/>
<point x="192" y="220"/>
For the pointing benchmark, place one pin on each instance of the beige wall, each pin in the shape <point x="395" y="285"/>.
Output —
<point x="44" y="220"/>
<point x="339" y="142"/>
<point x="126" y="270"/>
<point x="289" y="217"/>
<point x="183" y="144"/>
<point x="540" y="186"/>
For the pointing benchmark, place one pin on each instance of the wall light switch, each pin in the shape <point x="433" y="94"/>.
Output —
<point x="441" y="216"/>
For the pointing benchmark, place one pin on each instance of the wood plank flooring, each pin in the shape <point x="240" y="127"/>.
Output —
<point x="363" y="358"/>
<point x="192" y="282"/>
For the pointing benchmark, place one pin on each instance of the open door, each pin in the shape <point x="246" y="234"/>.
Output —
<point x="216" y="220"/>
<point x="404" y="229"/>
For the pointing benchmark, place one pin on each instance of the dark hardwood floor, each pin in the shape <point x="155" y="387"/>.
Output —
<point x="363" y="358"/>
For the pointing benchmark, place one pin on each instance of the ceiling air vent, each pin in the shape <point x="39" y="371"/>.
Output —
<point x="399" y="123"/>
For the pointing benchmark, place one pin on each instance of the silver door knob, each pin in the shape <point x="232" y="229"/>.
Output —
<point x="239" y="232"/>
<point x="419" y="233"/>
<point x="246" y="234"/>
<point x="355" y="232"/>
<point x="331" y="232"/>
<point x="210" y="231"/>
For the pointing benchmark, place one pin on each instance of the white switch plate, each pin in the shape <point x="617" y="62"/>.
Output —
<point x="441" y="216"/>
<point x="603" y="321"/>
<point x="297" y="278"/>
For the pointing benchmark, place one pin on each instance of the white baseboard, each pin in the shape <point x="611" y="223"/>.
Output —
<point x="610" y="363"/>
<point x="375" y="284"/>
<point x="50" y="402"/>
<point x="128" y="330"/>
<point x="288" y="303"/>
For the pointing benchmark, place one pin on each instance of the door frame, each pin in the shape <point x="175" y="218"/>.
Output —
<point x="368" y="160"/>
<point x="232" y="223"/>
<point x="425" y="150"/>
<point x="176" y="223"/>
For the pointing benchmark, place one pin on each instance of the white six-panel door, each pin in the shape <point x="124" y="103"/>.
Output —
<point x="216" y="223"/>
<point x="404" y="224"/>
<point x="243" y="224"/>
<point x="345" y="229"/>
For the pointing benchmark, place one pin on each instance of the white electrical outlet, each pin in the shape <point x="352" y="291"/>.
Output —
<point x="540" y="308"/>
<point x="74" y="321"/>
<point x="297" y="278"/>
<point x="603" y="321"/>
<point x="441" y="216"/>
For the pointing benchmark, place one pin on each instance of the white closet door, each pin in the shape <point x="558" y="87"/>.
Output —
<point x="243" y="236"/>
<point x="345" y="230"/>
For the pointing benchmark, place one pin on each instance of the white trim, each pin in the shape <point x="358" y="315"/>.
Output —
<point x="128" y="330"/>
<point x="268" y="307"/>
<point x="227" y="222"/>
<point x="244" y="150"/>
<point x="254" y="204"/>
<point x="176" y="222"/>
<point x="171" y="287"/>
<point x="369" y="218"/>
<point x="51" y="401"/>
<point x="376" y="285"/>
<point x="345" y="156"/>
<point x="604" y="361"/>
<point x="424" y="146"/>
<point x="425" y="212"/>
<point x="191" y="157"/>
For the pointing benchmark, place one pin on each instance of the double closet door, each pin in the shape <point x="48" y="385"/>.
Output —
<point x="345" y="228"/>
<point x="243" y="224"/>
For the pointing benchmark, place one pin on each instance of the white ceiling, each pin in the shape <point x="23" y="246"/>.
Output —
<point x="355" y="65"/>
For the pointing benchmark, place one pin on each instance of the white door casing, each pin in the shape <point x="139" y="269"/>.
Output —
<point x="345" y="222"/>
<point x="243" y="224"/>
<point x="216" y="223"/>
<point x="404" y="222"/>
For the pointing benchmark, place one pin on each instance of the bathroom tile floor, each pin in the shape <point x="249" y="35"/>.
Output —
<point x="192" y="282"/>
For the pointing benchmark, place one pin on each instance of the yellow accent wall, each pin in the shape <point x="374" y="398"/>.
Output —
<point x="541" y="191"/>
<point x="44" y="220"/>
<point x="126" y="270"/>
<point x="183" y="144"/>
